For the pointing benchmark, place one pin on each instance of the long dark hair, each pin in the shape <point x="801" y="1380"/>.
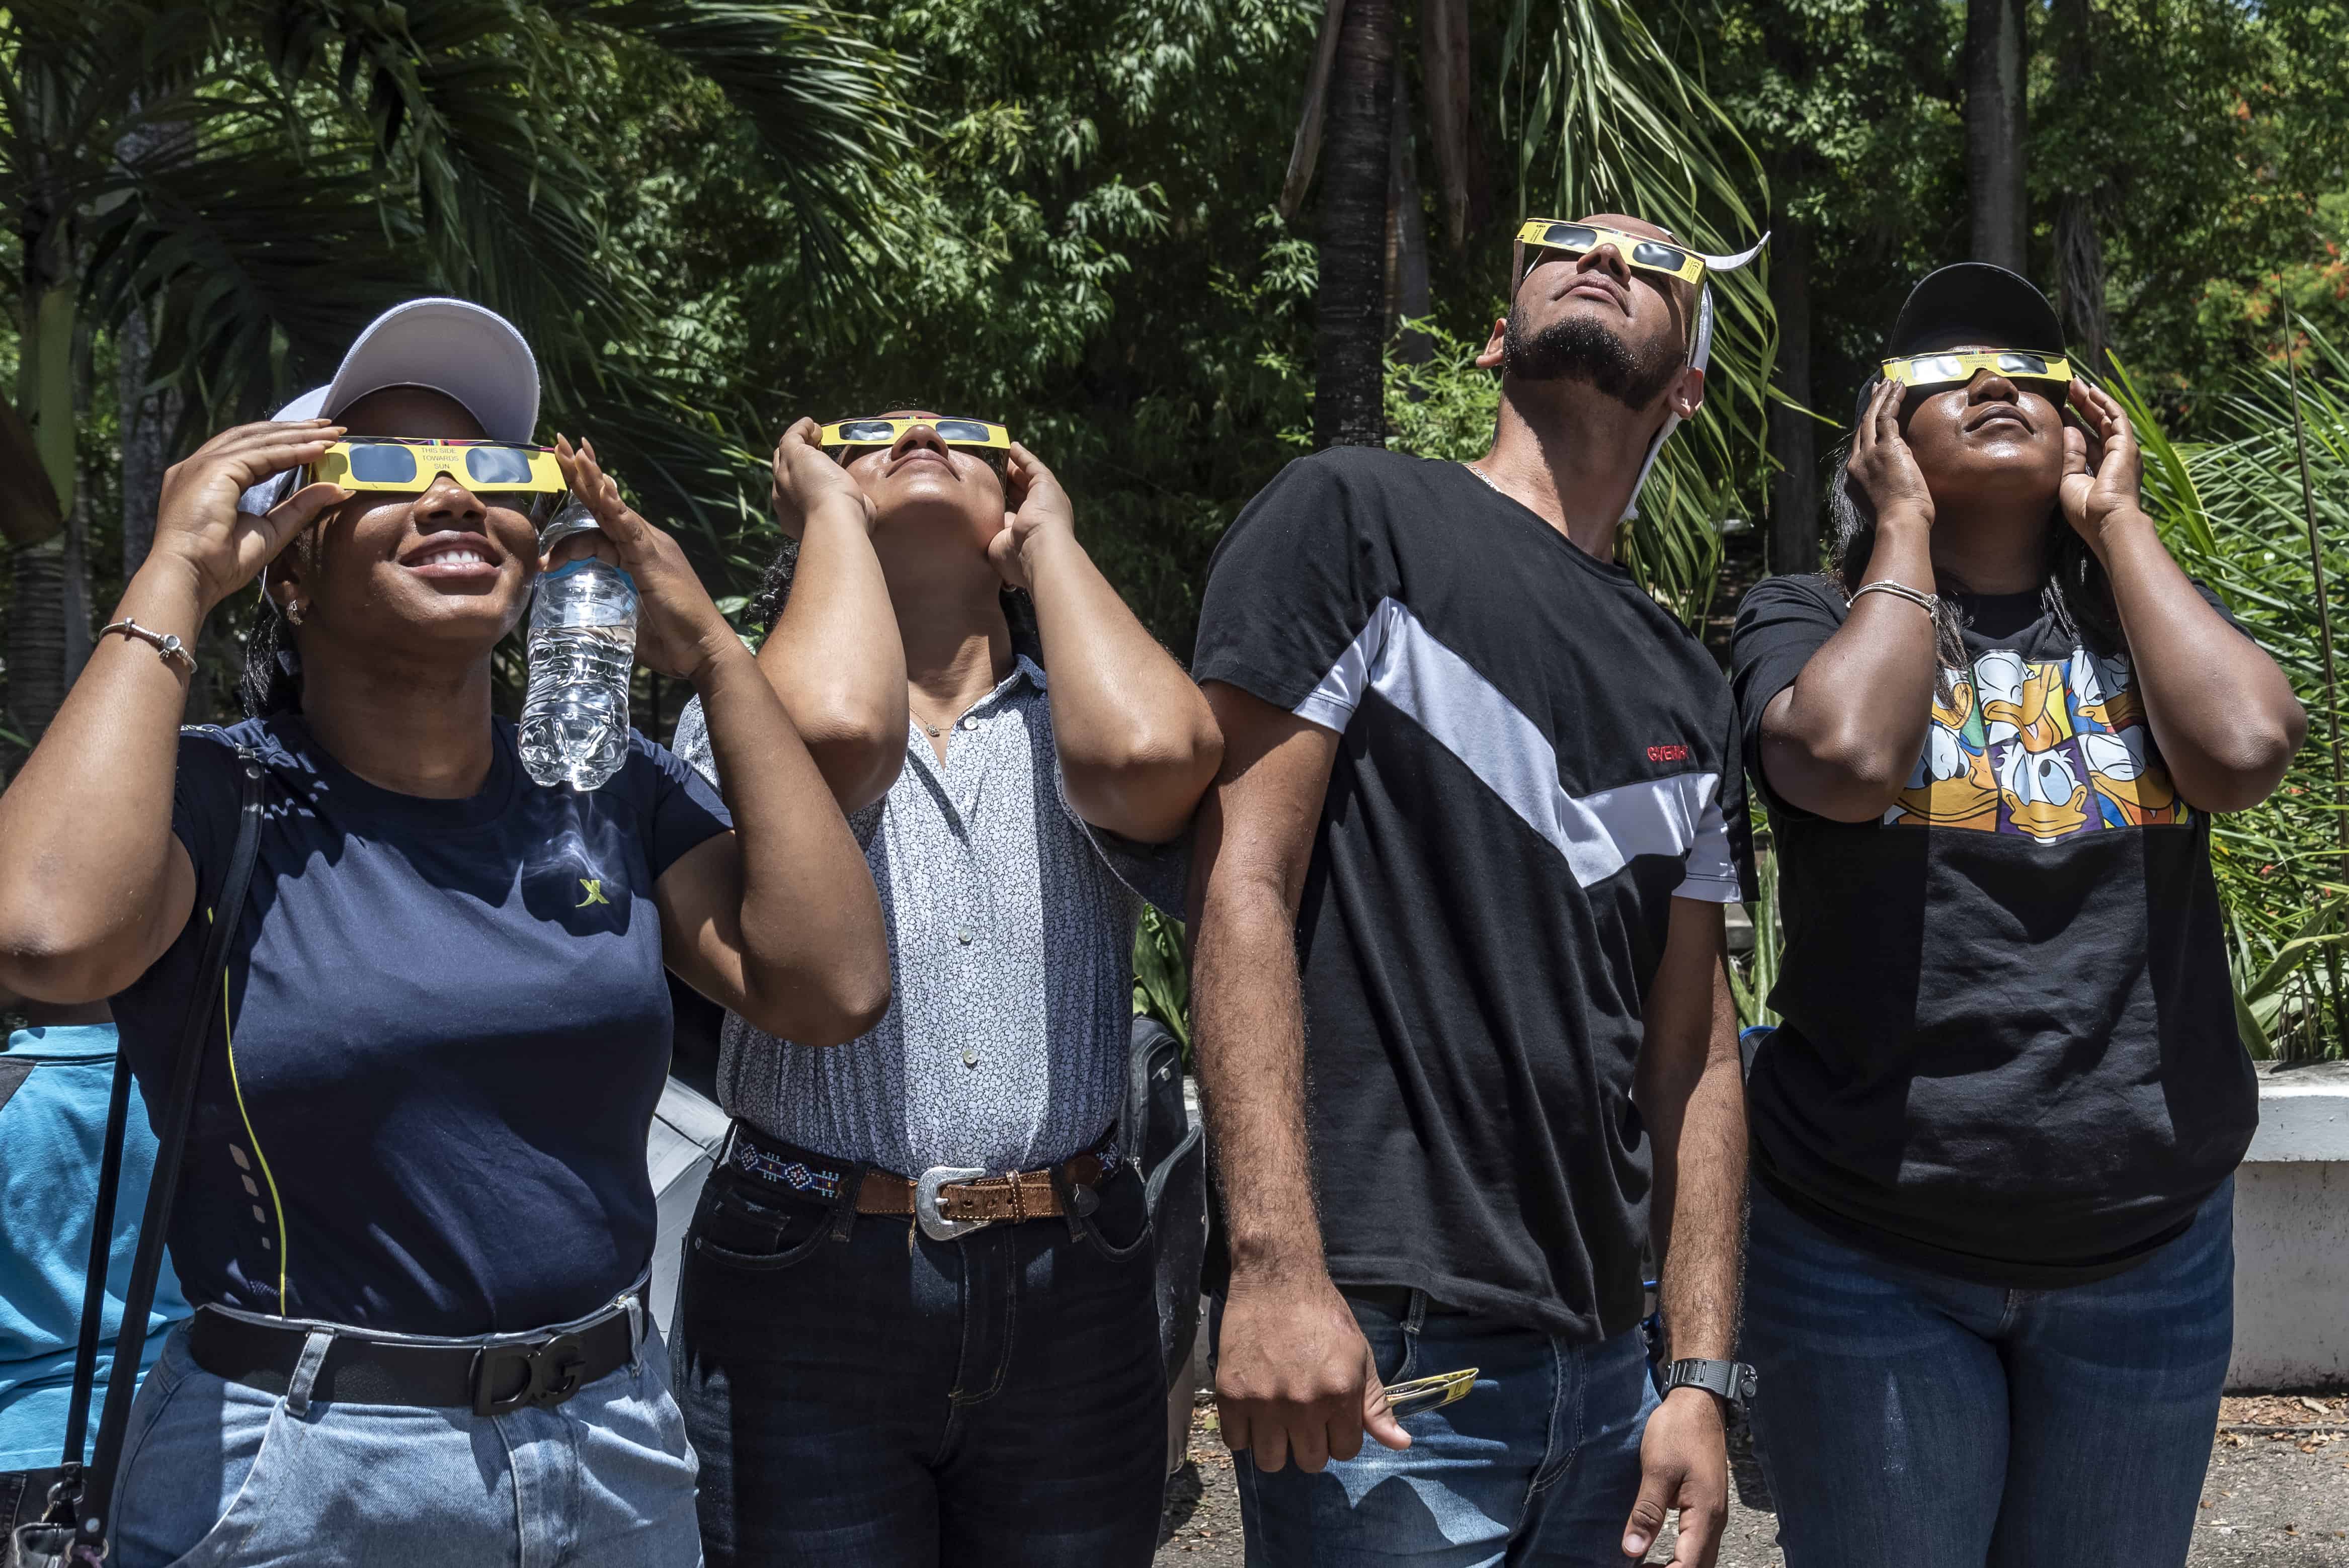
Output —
<point x="272" y="682"/>
<point x="2073" y="587"/>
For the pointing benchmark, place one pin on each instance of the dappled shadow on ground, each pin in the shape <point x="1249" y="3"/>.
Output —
<point x="2278" y="1500"/>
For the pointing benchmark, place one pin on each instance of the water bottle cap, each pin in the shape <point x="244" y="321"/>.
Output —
<point x="573" y="518"/>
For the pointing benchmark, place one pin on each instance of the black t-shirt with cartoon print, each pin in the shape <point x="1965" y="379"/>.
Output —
<point x="2009" y="1051"/>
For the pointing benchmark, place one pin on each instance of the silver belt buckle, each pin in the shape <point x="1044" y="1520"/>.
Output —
<point x="935" y="1225"/>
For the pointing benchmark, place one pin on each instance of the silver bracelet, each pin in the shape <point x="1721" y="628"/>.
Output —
<point x="168" y="647"/>
<point x="1928" y="602"/>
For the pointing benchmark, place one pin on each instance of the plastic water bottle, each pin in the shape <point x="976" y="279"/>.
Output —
<point x="583" y="648"/>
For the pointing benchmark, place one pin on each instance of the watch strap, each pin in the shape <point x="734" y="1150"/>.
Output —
<point x="1730" y="1380"/>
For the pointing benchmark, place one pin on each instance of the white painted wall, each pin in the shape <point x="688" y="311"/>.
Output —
<point x="2291" y="1235"/>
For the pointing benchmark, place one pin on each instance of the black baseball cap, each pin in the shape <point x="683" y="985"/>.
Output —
<point x="1974" y="301"/>
<point x="1969" y="302"/>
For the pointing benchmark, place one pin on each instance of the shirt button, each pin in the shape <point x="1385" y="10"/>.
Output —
<point x="970" y="1058"/>
<point x="970" y="721"/>
<point x="962" y="934"/>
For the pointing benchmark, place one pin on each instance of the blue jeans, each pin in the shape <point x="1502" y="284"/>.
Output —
<point x="1539" y="1466"/>
<point x="219" y="1475"/>
<point x="1908" y="1418"/>
<point x="891" y="1401"/>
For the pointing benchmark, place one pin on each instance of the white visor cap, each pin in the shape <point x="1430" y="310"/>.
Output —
<point x="450" y="346"/>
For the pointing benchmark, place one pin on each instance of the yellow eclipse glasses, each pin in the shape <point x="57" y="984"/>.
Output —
<point x="1959" y="369"/>
<point x="410" y="467"/>
<point x="1581" y="239"/>
<point x="1430" y="1393"/>
<point x="982" y="434"/>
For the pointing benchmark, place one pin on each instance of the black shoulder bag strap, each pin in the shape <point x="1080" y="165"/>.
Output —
<point x="85" y="1498"/>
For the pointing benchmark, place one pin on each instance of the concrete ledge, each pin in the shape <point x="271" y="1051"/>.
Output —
<point x="2291" y="1235"/>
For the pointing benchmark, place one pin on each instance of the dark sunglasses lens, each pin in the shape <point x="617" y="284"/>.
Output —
<point x="970" y="432"/>
<point x="1572" y="237"/>
<point x="373" y="465"/>
<point x="1661" y="257"/>
<point x="865" y="432"/>
<point x="497" y="465"/>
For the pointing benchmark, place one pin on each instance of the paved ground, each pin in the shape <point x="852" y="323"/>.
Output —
<point x="2270" y="1501"/>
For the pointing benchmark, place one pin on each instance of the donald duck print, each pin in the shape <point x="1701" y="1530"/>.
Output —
<point x="2043" y="748"/>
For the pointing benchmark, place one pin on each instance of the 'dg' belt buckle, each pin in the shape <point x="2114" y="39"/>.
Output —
<point x="935" y="1224"/>
<point x="549" y="1374"/>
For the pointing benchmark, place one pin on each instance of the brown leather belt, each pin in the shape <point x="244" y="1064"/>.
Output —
<point x="981" y="1199"/>
<point x="946" y="1200"/>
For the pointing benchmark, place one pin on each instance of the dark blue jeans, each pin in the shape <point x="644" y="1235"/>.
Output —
<point x="1907" y="1418"/>
<point x="891" y="1401"/>
<point x="1537" y="1468"/>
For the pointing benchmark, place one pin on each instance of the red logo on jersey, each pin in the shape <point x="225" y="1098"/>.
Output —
<point x="1668" y="754"/>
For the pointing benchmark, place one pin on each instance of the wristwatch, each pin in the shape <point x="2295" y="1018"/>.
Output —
<point x="1732" y="1381"/>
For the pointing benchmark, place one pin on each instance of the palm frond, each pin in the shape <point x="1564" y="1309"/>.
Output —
<point x="1627" y="126"/>
<point x="831" y="111"/>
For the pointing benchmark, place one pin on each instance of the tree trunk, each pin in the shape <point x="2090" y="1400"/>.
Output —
<point x="148" y="419"/>
<point x="1443" y="60"/>
<point x="1349" y="332"/>
<point x="2079" y="251"/>
<point x="40" y="614"/>
<point x="1407" y="289"/>
<point x="1996" y="110"/>
<point x="36" y="643"/>
<point x="1794" y="544"/>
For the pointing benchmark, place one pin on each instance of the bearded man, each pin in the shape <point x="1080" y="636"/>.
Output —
<point x="1464" y="1033"/>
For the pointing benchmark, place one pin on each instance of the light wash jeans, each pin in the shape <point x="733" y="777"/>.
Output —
<point x="1911" y="1418"/>
<point x="1537" y="1467"/>
<point x="219" y="1475"/>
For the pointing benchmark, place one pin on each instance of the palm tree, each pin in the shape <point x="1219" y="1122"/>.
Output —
<point x="232" y="188"/>
<point x="1373" y="239"/>
<point x="1997" y="100"/>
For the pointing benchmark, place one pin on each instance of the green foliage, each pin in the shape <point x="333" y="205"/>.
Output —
<point x="1753" y="976"/>
<point x="2231" y="508"/>
<point x="1161" y="976"/>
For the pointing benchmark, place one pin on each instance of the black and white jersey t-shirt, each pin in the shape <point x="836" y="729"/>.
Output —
<point x="1535" y="761"/>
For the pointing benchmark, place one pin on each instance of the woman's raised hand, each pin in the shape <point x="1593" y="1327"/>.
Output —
<point x="1037" y="508"/>
<point x="806" y="478"/>
<point x="678" y="629"/>
<point x="1882" y="469"/>
<point x="198" y="523"/>
<point x="2104" y="471"/>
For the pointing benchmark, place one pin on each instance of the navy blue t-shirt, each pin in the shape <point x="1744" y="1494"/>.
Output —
<point x="446" y="1030"/>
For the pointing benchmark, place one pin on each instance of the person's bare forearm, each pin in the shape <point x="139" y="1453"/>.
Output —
<point x="836" y="661"/>
<point x="2222" y="713"/>
<point x="1136" y="742"/>
<point x="1249" y="1025"/>
<point x="815" y="955"/>
<point x="1845" y="760"/>
<point x="1692" y="1098"/>
<point x="86" y="826"/>
<point x="1700" y="1201"/>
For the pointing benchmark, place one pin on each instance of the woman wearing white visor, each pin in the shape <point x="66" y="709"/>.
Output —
<point x="414" y="1211"/>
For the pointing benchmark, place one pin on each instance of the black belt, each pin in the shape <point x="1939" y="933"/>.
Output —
<point x="543" y="1369"/>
